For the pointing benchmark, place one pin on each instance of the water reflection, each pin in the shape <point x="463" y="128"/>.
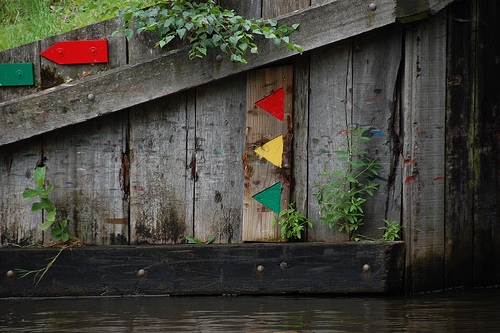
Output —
<point x="464" y="311"/>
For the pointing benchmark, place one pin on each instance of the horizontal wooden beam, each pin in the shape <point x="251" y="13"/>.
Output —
<point x="131" y="85"/>
<point x="414" y="10"/>
<point x="312" y="268"/>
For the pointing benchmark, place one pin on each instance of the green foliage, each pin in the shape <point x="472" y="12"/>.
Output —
<point x="205" y="26"/>
<point x="345" y="191"/>
<point x="391" y="230"/>
<point x="40" y="273"/>
<point x="292" y="223"/>
<point x="193" y="240"/>
<point x="41" y="190"/>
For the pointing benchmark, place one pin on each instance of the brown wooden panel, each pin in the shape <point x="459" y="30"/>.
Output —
<point x="423" y="153"/>
<point x="85" y="163"/>
<point x="275" y="8"/>
<point x="262" y="127"/>
<point x="375" y="68"/>
<point x="330" y="82"/>
<point x="18" y="225"/>
<point x="219" y="140"/>
<point x="485" y="150"/>
<point x="320" y="268"/>
<point x="459" y="123"/>
<point x="161" y="183"/>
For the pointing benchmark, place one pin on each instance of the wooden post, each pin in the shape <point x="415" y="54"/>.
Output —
<point x="260" y="173"/>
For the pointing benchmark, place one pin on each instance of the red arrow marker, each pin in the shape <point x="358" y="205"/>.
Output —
<point x="78" y="52"/>
<point x="274" y="104"/>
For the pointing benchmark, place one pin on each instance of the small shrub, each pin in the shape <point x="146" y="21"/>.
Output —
<point x="292" y="223"/>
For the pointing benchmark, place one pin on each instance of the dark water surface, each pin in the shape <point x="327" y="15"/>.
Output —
<point x="457" y="311"/>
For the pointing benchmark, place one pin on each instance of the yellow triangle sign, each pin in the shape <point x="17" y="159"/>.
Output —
<point x="272" y="151"/>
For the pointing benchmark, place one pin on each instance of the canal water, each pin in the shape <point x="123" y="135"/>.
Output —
<point x="457" y="311"/>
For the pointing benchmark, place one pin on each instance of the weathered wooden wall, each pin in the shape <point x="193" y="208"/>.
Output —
<point x="157" y="171"/>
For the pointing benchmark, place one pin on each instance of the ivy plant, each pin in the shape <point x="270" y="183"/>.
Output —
<point x="292" y="223"/>
<point x="343" y="194"/>
<point x="41" y="190"/>
<point x="205" y="25"/>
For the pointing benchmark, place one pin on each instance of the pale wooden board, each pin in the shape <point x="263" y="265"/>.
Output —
<point x="376" y="63"/>
<point x="117" y="53"/>
<point x="260" y="174"/>
<point x="330" y="82"/>
<point x="84" y="162"/>
<point x="424" y="154"/>
<point x="18" y="225"/>
<point x="275" y="8"/>
<point x="160" y="179"/>
<point x="219" y="143"/>
<point x="130" y="85"/>
<point x="247" y="8"/>
<point x="300" y="154"/>
<point x="21" y="54"/>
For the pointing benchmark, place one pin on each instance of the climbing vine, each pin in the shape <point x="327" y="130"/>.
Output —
<point x="205" y="26"/>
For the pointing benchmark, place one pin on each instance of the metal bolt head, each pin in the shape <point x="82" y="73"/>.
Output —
<point x="10" y="274"/>
<point x="260" y="269"/>
<point x="373" y="6"/>
<point x="283" y="265"/>
<point x="219" y="58"/>
<point x="366" y="268"/>
<point x="90" y="97"/>
<point x="141" y="272"/>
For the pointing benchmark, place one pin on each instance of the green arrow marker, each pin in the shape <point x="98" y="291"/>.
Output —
<point x="270" y="197"/>
<point x="20" y="74"/>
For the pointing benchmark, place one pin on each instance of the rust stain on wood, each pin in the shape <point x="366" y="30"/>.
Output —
<point x="122" y="221"/>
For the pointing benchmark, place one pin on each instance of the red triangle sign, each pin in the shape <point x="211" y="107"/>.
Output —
<point x="274" y="104"/>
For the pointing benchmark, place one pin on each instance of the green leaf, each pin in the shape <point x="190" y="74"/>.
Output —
<point x="210" y="240"/>
<point x="30" y="193"/>
<point x="51" y="216"/>
<point x="39" y="175"/>
<point x="45" y="225"/>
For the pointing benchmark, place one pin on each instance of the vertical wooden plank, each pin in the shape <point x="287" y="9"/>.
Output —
<point x="160" y="179"/>
<point x="299" y="185"/>
<point x="485" y="150"/>
<point x="376" y="63"/>
<point x="85" y="164"/>
<point x="248" y="8"/>
<point x="459" y="252"/>
<point x="220" y="135"/>
<point x="24" y="53"/>
<point x="261" y="127"/>
<point x="423" y="152"/>
<point x="18" y="225"/>
<point x="330" y="82"/>
<point x="53" y="74"/>
<point x="275" y="8"/>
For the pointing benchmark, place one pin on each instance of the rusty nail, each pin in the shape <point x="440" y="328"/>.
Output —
<point x="141" y="272"/>
<point x="218" y="58"/>
<point x="10" y="274"/>
<point x="366" y="268"/>
<point x="283" y="265"/>
<point x="260" y="269"/>
<point x="373" y="6"/>
<point x="90" y="97"/>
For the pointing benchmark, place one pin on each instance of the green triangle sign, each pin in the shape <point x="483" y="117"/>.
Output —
<point x="270" y="197"/>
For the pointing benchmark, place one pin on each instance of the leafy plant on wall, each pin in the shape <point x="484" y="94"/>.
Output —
<point x="205" y="26"/>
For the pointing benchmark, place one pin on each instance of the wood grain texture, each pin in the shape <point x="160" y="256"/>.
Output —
<point x="18" y="225"/>
<point x="209" y="269"/>
<point x="375" y="67"/>
<point x="459" y="221"/>
<point x="130" y="85"/>
<point x="85" y="164"/>
<point x="161" y="183"/>
<point x="219" y="140"/>
<point x="423" y="153"/>
<point x="262" y="127"/>
<point x="275" y="8"/>
<point x="330" y="81"/>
